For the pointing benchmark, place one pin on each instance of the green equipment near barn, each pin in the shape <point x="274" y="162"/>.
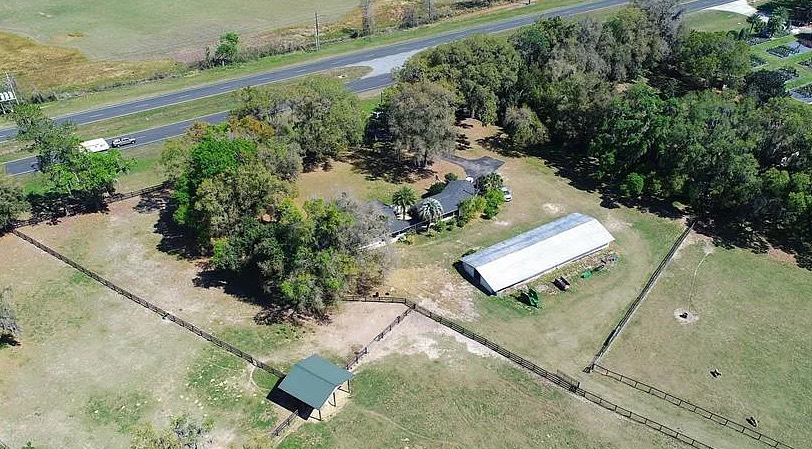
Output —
<point x="530" y="297"/>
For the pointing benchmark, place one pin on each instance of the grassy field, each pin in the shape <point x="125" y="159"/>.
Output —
<point x="752" y="313"/>
<point x="194" y="77"/>
<point x="463" y="400"/>
<point x="73" y="327"/>
<point x="39" y="67"/>
<point x="93" y="365"/>
<point x="711" y="20"/>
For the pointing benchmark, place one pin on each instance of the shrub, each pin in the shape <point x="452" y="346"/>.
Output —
<point x="451" y="177"/>
<point x="470" y="208"/>
<point x="633" y="185"/>
<point x="435" y="188"/>
<point x="494" y="198"/>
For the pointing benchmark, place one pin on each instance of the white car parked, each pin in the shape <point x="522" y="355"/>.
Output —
<point x="507" y="194"/>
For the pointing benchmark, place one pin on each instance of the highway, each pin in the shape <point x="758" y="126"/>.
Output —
<point x="352" y="59"/>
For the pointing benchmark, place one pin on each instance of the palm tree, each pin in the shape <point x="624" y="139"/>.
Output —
<point x="491" y="181"/>
<point x="403" y="199"/>
<point x="430" y="210"/>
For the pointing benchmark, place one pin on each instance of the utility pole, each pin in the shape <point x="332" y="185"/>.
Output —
<point x="317" y="31"/>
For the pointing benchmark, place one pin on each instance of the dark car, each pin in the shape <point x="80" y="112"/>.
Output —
<point x="122" y="141"/>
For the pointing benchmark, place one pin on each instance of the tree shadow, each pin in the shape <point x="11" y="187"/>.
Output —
<point x="150" y="202"/>
<point x="462" y="141"/>
<point x="8" y="340"/>
<point x="175" y="239"/>
<point x="570" y="164"/>
<point x="500" y="144"/>
<point x="375" y="162"/>
<point x="50" y="207"/>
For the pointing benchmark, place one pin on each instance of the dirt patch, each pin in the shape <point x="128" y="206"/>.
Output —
<point x="352" y="327"/>
<point x="553" y="209"/>
<point x="685" y="316"/>
<point x="420" y="335"/>
<point x="781" y="256"/>
<point x="433" y="287"/>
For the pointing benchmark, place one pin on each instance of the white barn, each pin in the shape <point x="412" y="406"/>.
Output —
<point x="535" y="252"/>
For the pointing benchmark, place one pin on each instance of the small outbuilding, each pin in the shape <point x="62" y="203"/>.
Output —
<point x="313" y="380"/>
<point x="535" y="252"/>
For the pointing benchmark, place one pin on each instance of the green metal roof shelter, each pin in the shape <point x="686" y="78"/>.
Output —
<point x="313" y="380"/>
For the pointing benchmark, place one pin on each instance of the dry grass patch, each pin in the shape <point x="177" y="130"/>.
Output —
<point x="46" y="68"/>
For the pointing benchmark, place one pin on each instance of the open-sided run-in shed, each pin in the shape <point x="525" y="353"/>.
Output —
<point x="313" y="380"/>
<point x="535" y="252"/>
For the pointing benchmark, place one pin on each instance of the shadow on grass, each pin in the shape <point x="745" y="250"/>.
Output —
<point x="175" y="239"/>
<point x="8" y="340"/>
<point x="378" y="162"/>
<point x="288" y="402"/>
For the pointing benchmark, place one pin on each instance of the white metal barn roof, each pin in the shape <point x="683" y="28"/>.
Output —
<point x="536" y="252"/>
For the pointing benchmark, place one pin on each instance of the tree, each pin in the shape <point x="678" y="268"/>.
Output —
<point x="491" y="181"/>
<point x="327" y="119"/>
<point x="709" y="153"/>
<point x="421" y="121"/>
<point x="756" y="24"/>
<point x="250" y="190"/>
<point x="9" y="328"/>
<point x="480" y="70"/>
<point x="764" y="85"/>
<point x="228" y="49"/>
<point x="778" y="21"/>
<point x="367" y="18"/>
<point x="71" y="171"/>
<point x="403" y="199"/>
<point x="183" y="433"/>
<point x="262" y="103"/>
<point x="665" y="16"/>
<point x="632" y="185"/>
<point x="12" y="202"/>
<point x="494" y="198"/>
<point x="303" y="260"/>
<point x="470" y="208"/>
<point x="524" y="128"/>
<point x="629" y="133"/>
<point x="714" y="59"/>
<point x="87" y="177"/>
<point x="430" y="210"/>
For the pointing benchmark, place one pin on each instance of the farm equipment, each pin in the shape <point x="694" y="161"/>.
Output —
<point x="562" y="283"/>
<point x="530" y="297"/>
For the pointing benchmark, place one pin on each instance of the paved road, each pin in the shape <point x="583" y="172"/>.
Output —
<point x="152" y="135"/>
<point x="164" y="132"/>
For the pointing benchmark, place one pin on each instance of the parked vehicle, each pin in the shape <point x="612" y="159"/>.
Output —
<point x="122" y="141"/>
<point x="95" y="145"/>
<point x="507" y="194"/>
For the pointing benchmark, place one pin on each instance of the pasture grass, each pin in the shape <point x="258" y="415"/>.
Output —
<point x="463" y="400"/>
<point x="752" y="312"/>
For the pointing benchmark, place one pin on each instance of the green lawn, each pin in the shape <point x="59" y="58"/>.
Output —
<point x="752" y="319"/>
<point x="711" y="20"/>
